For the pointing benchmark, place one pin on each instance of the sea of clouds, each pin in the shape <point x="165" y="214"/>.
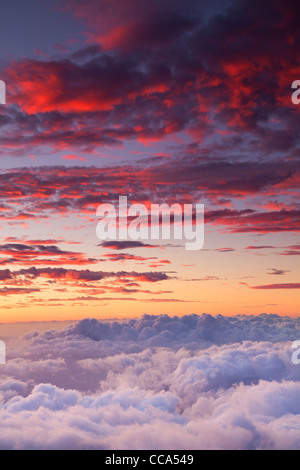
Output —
<point x="158" y="382"/>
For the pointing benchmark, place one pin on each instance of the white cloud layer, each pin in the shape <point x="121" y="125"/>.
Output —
<point x="196" y="382"/>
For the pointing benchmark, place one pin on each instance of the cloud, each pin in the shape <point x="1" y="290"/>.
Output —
<point x="122" y="257"/>
<point x="153" y="72"/>
<point x="173" y="71"/>
<point x="63" y="275"/>
<point x="17" y="290"/>
<point x="287" y="285"/>
<point x="30" y="253"/>
<point x="121" y="245"/>
<point x="242" y="418"/>
<point x="83" y="285"/>
<point x="288" y="250"/>
<point x="291" y="251"/>
<point x="191" y="382"/>
<point x="278" y="272"/>
<point x="54" y="191"/>
<point x="258" y="247"/>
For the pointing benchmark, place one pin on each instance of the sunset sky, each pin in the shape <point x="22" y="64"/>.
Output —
<point x="163" y="101"/>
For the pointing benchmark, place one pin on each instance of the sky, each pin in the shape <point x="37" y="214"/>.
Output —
<point x="164" y="102"/>
<point x="139" y="343"/>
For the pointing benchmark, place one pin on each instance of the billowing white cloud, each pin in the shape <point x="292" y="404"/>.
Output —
<point x="196" y="382"/>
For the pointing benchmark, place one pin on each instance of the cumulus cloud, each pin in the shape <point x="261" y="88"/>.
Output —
<point x="157" y="382"/>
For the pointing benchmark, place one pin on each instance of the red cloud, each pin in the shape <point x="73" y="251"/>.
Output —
<point x="82" y="275"/>
<point x="288" y="285"/>
<point x="30" y="253"/>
